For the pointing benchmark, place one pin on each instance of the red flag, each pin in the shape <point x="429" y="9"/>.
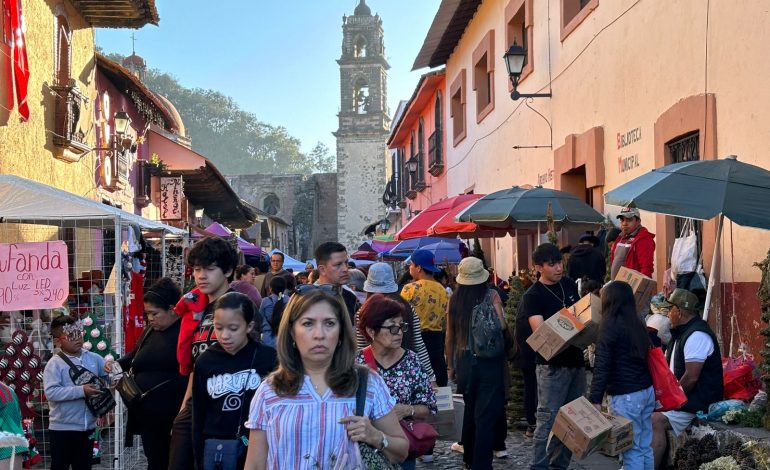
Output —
<point x="19" y="51"/>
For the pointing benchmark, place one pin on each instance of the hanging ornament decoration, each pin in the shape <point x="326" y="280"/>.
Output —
<point x="21" y="369"/>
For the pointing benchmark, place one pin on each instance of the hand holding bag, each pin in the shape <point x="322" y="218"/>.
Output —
<point x="421" y="436"/>
<point x="99" y="405"/>
<point x="371" y="458"/>
<point x="669" y="394"/>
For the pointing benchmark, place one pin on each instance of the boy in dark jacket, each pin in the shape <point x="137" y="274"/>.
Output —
<point x="586" y="260"/>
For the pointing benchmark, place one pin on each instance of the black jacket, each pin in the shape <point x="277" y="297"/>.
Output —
<point x="616" y="370"/>
<point x="710" y="386"/>
<point x="586" y="261"/>
<point x="154" y="363"/>
<point x="223" y="386"/>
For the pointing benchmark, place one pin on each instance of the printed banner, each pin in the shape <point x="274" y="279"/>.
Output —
<point x="171" y="198"/>
<point x="33" y="275"/>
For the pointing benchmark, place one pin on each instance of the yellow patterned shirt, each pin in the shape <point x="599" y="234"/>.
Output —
<point x="429" y="299"/>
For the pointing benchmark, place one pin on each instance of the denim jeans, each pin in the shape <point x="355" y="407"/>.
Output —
<point x="408" y="464"/>
<point x="637" y="407"/>
<point x="556" y="386"/>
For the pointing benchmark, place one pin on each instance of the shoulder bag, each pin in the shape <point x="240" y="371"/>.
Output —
<point x="668" y="392"/>
<point x="225" y="454"/>
<point x="421" y="436"/>
<point x="130" y="392"/>
<point x="99" y="405"/>
<point x="371" y="458"/>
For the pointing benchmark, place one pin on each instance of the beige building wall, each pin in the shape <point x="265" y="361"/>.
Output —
<point x="26" y="148"/>
<point x="621" y="69"/>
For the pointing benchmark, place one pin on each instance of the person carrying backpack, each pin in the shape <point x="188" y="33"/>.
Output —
<point x="477" y="341"/>
<point x="271" y="309"/>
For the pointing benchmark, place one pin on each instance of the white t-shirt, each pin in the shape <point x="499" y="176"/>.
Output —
<point x="698" y="347"/>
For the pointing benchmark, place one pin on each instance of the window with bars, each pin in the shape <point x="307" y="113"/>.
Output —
<point x="686" y="149"/>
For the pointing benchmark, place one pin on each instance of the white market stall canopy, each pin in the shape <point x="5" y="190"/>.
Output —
<point x="30" y="202"/>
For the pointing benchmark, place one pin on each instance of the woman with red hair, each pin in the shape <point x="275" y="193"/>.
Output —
<point x="381" y="322"/>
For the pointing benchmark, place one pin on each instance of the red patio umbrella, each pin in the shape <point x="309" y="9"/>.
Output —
<point x="418" y="225"/>
<point x="447" y="226"/>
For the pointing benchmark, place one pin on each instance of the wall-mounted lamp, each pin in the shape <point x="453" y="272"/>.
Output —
<point x="411" y="165"/>
<point x="120" y="141"/>
<point x="514" y="62"/>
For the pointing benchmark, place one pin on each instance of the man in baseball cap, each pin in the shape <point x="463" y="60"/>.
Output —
<point x="695" y="358"/>
<point x="429" y="300"/>
<point x="635" y="246"/>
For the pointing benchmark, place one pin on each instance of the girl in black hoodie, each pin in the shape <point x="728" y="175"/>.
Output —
<point x="226" y="376"/>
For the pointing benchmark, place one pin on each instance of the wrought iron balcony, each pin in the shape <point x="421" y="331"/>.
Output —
<point x="69" y="103"/>
<point x="435" y="154"/>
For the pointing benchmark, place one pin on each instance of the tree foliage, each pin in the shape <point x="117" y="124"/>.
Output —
<point x="235" y="140"/>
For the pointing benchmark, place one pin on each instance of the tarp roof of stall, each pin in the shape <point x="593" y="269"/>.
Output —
<point x="27" y="201"/>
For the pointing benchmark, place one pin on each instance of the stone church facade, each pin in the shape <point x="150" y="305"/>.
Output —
<point x="307" y="203"/>
<point x="364" y="124"/>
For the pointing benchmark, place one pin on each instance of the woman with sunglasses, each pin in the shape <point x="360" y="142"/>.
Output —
<point x="381" y="322"/>
<point x="303" y="415"/>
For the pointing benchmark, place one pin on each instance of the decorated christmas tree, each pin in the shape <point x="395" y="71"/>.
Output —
<point x="95" y="339"/>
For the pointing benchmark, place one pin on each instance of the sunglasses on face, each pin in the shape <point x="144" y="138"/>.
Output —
<point x="328" y="288"/>
<point x="394" y="329"/>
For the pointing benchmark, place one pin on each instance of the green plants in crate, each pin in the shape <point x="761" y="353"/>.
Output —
<point x="515" y="405"/>
<point x="764" y="300"/>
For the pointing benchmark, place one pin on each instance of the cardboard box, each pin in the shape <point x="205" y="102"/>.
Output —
<point x="644" y="287"/>
<point x="555" y="334"/>
<point x="621" y="436"/>
<point x="589" y="311"/>
<point x="444" y="420"/>
<point x="581" y="427"/>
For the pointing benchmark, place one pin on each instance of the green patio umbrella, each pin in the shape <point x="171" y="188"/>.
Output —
<point x="521" y="208"/>
<point x="702" y="189"/>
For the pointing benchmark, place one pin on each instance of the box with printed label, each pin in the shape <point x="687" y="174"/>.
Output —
<point x="444" y="421"/>
<point x="644" y="287"/>
<point x="581" y="427"/>
<point x="555" y="334"/>
<point x="621" y="436"/>
<point x="589" y="311"/>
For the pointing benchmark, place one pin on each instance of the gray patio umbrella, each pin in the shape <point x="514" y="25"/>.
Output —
<point x="702" y="189"/>
<point x="520" y="208"/>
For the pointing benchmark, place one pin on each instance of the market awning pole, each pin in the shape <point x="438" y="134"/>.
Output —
<point x="516" y="253"/>
<point x="713" y="270"/>
<point x="163" y="254"/>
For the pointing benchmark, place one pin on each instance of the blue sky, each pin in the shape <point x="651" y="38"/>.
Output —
<point x="276" y="59"/>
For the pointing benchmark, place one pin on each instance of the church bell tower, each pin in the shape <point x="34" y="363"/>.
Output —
<point x="364" y="125"/>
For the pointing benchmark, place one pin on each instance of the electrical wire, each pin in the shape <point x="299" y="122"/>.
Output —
<point x="550" y="81"/>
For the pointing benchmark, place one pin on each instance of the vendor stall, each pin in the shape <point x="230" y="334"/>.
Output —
<point x="62" y="254"/>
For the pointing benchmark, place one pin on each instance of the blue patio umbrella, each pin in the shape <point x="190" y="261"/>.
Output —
<point x="444" y="252"/>
<point x="702" y="189"/>
<point x="406" y="247"/>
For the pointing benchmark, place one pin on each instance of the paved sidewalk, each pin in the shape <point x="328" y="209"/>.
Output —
<point x="520" y="451"/>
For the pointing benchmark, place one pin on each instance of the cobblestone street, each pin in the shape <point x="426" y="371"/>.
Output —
<point x="519" y="449"/>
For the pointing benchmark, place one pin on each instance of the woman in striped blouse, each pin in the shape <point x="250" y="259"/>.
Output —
<point x="303" y="415"/>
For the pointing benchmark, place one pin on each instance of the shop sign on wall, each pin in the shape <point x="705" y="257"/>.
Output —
<point x="624" y="139"/>
<point x="33" y="275"/>
<point x="171" y="198"/>
<point x="544" y="178"/>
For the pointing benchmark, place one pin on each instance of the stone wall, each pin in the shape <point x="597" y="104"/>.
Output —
<point x="361" y="181"/>
<point x="308" y="203"/>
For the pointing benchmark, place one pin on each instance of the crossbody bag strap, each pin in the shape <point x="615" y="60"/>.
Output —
<point x="68" y="361"/>
<point x="139" y="345"/>
<point x="368" y="353"/>
<point x="363" y="379"/>
<point x="243" y="405"/>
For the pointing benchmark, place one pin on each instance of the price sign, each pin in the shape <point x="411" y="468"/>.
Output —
<point x="33" y="275"/>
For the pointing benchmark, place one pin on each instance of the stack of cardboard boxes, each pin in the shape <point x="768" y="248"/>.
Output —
<point x="581" y="427"/>
<point x="621" y="436"/>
